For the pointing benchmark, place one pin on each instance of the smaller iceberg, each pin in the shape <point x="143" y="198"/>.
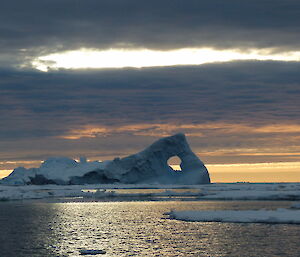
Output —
<point x="91" y="252"/>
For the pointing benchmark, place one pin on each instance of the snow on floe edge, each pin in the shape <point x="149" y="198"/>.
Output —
<point x="279" y="216"/>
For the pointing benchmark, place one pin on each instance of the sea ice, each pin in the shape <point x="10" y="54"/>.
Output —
<point x="222" y="191"/>
<point x="285" y="216"/>
<point x="258" y="194"/>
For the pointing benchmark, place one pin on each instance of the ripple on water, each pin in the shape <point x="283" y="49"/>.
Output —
<point x="138" y="229"/>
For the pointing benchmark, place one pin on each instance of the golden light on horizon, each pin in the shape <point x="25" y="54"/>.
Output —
<point x="254" y="172"/>
<point x="4" y="173"/>
<point x="139" y="58"/>
<point x="242" y="172"/>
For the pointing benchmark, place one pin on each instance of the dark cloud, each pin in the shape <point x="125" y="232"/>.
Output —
<point x="230" y="105"/>
<point x="227" y="109"/>
<point x="51" y="25"/>
<point x="193" y="94"/>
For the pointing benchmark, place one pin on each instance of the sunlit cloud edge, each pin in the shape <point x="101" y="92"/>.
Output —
<point x="85" y="58"/>
<point x="166" y="129"/>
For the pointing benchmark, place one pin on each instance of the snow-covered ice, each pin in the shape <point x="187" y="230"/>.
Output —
<point x="253" y="195"/>
<point x="55" y="170"/>
<point x="237" y="191"/>
<point x="246" y="216"/>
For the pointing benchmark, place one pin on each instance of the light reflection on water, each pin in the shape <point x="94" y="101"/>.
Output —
<point x="138" y="229"/>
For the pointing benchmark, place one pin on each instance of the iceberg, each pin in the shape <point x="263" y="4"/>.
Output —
<point x="147" y="166"/>
<point x="295" y="205"/>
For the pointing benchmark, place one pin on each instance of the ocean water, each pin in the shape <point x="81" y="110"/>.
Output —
<point x="138" y="228"/>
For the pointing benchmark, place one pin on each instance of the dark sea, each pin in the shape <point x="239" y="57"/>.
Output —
<point x="138" y="228"/>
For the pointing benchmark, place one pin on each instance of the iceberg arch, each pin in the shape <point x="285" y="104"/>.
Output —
<point x="151" y="164"/>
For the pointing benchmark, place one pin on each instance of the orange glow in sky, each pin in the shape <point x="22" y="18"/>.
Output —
<point x="160" y="129"/>
<point x="253" y="172"/>
<point x="261" y="163"/>
<point x="244" y="172"/>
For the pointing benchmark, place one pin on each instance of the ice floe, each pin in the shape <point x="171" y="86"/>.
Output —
<point x="91" y="252"/>
<point x="285" y="216"/>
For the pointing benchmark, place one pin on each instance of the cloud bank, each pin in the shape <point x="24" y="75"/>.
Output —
<point x="34" y="28"/>
<point x="240" y="105"/>
<point x="232" y="112"/>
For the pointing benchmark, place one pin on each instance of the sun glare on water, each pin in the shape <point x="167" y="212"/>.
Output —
<point x="121" y="58"/>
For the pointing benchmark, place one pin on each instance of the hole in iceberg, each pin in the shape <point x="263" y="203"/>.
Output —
<point x="174" y="163"/>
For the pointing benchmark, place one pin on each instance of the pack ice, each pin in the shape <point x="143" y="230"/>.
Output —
<point x="147" y="166"/>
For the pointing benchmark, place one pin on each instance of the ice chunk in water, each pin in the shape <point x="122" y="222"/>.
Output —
<point x="91" y="252"/>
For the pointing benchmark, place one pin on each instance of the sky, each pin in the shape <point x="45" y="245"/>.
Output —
<point x="106" y="78"/>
